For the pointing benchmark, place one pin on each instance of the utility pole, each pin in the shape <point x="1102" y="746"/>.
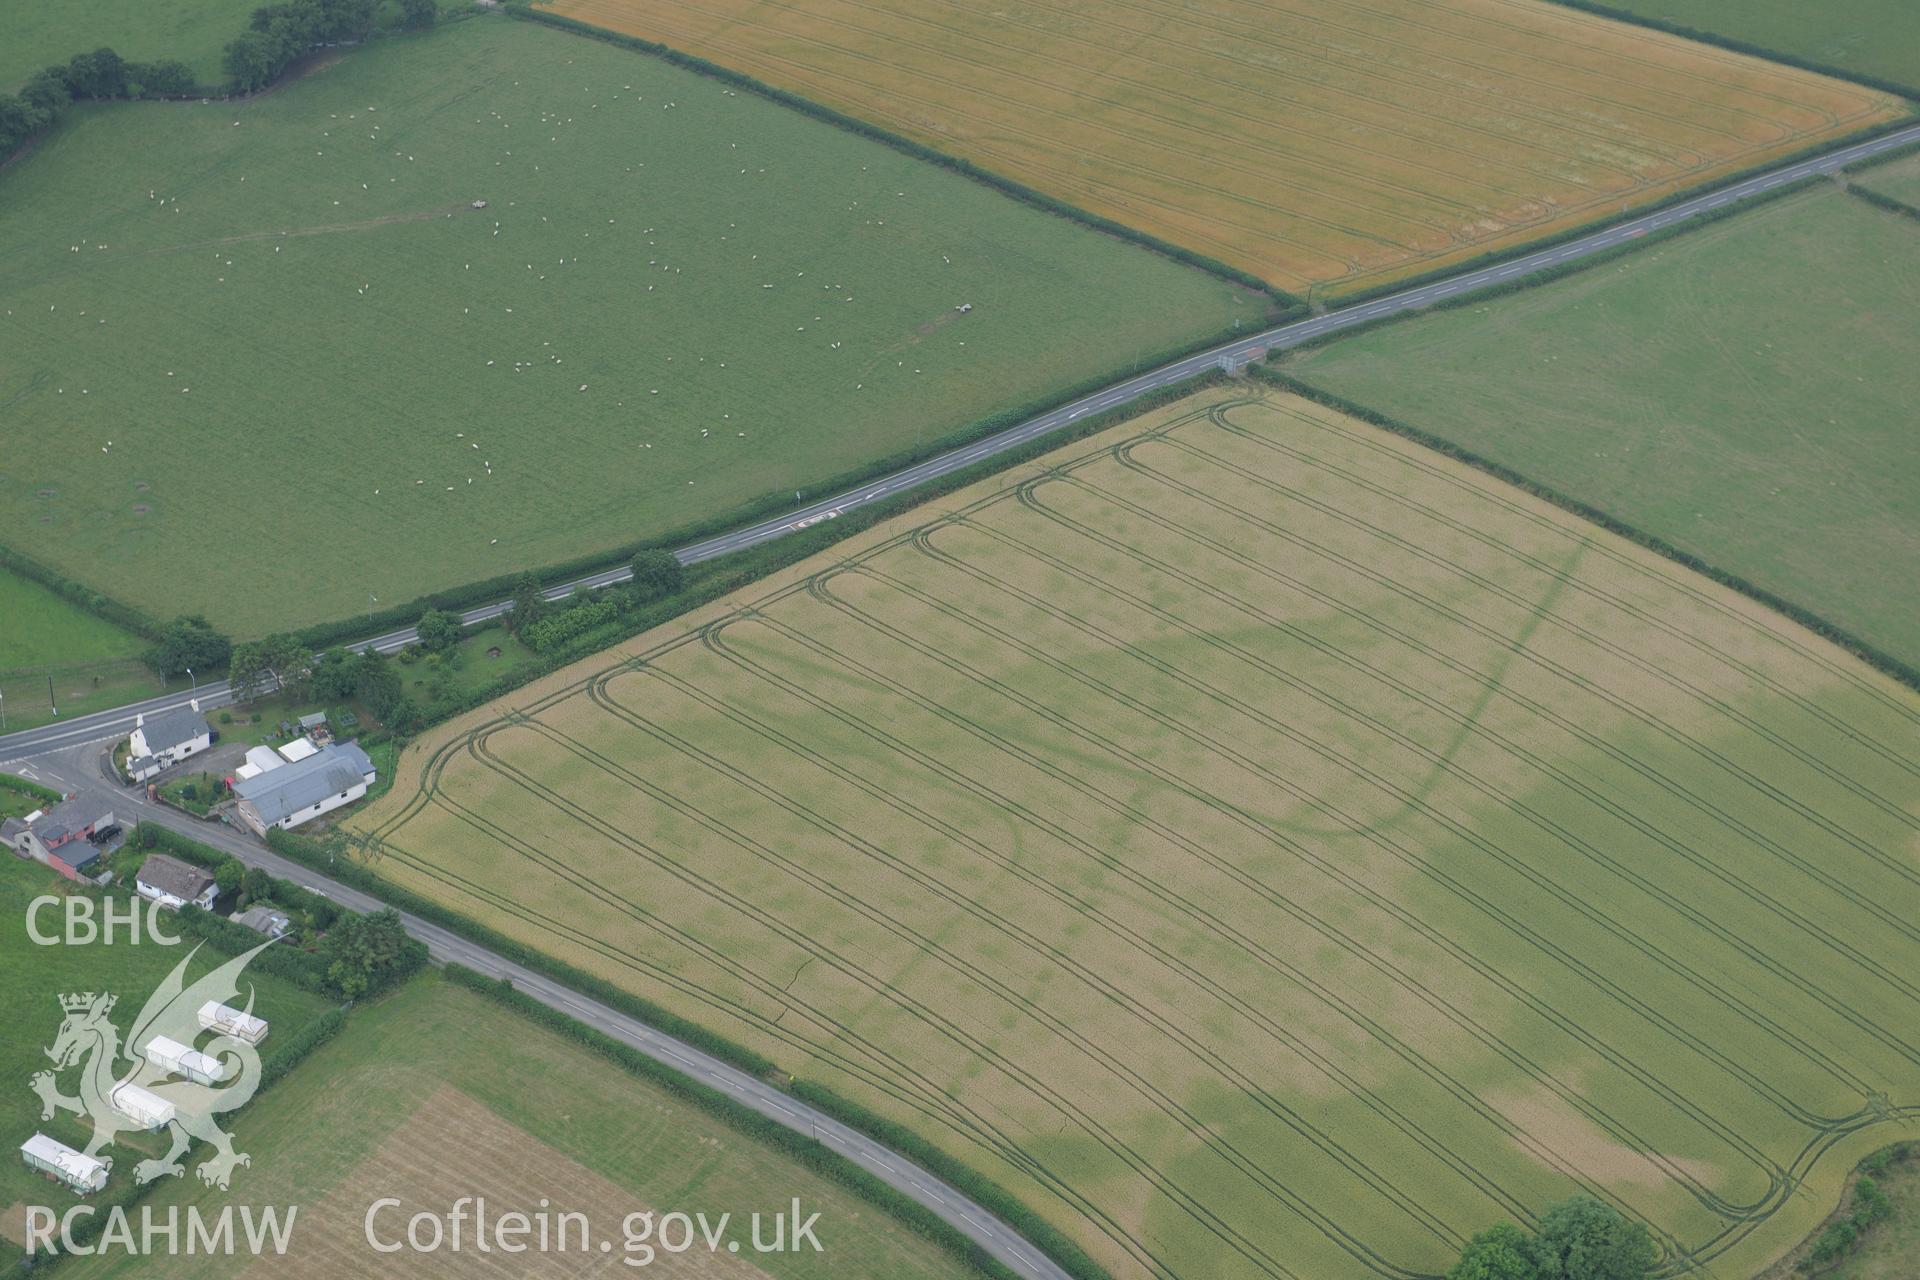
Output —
<point x="3" y="711"/>
<point x="50" y="702"/>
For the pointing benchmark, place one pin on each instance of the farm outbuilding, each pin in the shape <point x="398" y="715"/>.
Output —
<point x="229" y="1021"/>
<point x="178" y="1059"/>
<point x="81" y="1172"/>
<point x="142" y="1106"/>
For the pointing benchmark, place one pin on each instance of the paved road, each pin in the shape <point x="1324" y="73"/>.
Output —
<point x="84" y="767"/>
<point x="119" y="721"/>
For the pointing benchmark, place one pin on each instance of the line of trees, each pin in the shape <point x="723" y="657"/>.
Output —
<point x="276" y="35"/>
<point x="86" y="77"/>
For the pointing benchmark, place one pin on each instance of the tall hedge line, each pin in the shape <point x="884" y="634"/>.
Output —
<point x="1872" y="656"/>
<point x="1887" y="202"/>
<point x="26" y="787"/>
<point x="805" y="1151"/>
<point x="1736" y="45"/>
<point x="1888" y="156"/>
<point x="80" y="595"/>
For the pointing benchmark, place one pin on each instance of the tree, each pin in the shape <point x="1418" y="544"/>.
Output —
<point x="100" y="74"/>
<point x="164" y="79"/>
<point x="1501" y="1252"/>
<point x="416" y="14"/>
<point x="379" y="685"/>
<point x="252" y="60"/>
<point x="657" y="573"/>
<point x="336" y="675"/>
<point x="229" y="875"/>
<point x="189" y="643"/>
<point x="47" y="90"/>
<point x="438" y="629"/>
<point x="529" y="605"/>
<point x="261" y="666"/>
<point x="1583" y="1239"/>
<point x="255" y="885"/>
<point x="361" y="951"/>
<point x="19" y="120"/>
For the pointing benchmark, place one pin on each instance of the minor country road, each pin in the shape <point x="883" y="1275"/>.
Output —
<point x="81" y="767"/>
<point x="118" y="722"/>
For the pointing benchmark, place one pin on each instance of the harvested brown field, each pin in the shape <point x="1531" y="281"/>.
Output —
<point x="1332" y="144"/>
<point x="1266" y="847"/>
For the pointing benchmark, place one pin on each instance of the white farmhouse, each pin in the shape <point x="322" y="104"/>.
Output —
<point x="165" y="739"/>
<point x="304" y="789"/>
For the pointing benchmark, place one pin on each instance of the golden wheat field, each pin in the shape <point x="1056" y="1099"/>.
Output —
<point x="1324" y="144"/>
<point x="1267" y="848"/>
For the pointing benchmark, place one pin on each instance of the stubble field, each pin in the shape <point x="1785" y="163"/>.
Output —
<point x="1743" y="391"/>
<point x="263" y="359"/>
<point x="1326" y="144"/>
<point x="1265" y="847"/>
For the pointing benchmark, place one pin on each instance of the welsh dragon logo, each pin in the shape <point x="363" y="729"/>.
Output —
<point x="89" y="1041"/>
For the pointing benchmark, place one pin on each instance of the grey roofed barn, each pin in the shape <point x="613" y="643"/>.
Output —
<point x="280" y="793"/>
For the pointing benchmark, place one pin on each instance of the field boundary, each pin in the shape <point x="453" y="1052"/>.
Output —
<point x="1560" y="271"/>
<point x="1283" y="300"/>
<point x="1733" y="44"/>
<point x="81" y="596"/>
<point x="809" y="1153"/>
<point x="1495" y="257"/>
<point x="1881" y="661"/>
<point x="1880" y="200"/>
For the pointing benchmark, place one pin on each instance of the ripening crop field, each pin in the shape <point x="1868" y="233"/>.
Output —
<point x="1264" y="846"/>
<point x="1324" y="144"/>
<point x="264" y="359"/>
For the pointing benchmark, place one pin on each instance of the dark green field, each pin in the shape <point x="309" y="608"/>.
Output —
<point x="1868" y="37"/>
<point x="263" y="359"/>
<point x="1744" y="391"/>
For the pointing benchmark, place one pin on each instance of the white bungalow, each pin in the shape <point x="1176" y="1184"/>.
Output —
<point x="189" y="1064"/>
<point x="81" y="1172"/>
<point x="142" y="1106"/>
<point x="229" y="1021"/>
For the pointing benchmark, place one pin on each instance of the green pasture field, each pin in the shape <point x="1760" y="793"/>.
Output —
<point x="1868" y="37"/>
<point x="1744" y="391"/>
<point x="1899" y="179"/>
<point x="263" y="360"/>
<point x="43" y="629"/>
<point x="43" y="32"/>
<point x="45" y="641"/>
<point x="434" y="1092"/>
<point x="36" y="977"/>
<point x="1265" y="847"/>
